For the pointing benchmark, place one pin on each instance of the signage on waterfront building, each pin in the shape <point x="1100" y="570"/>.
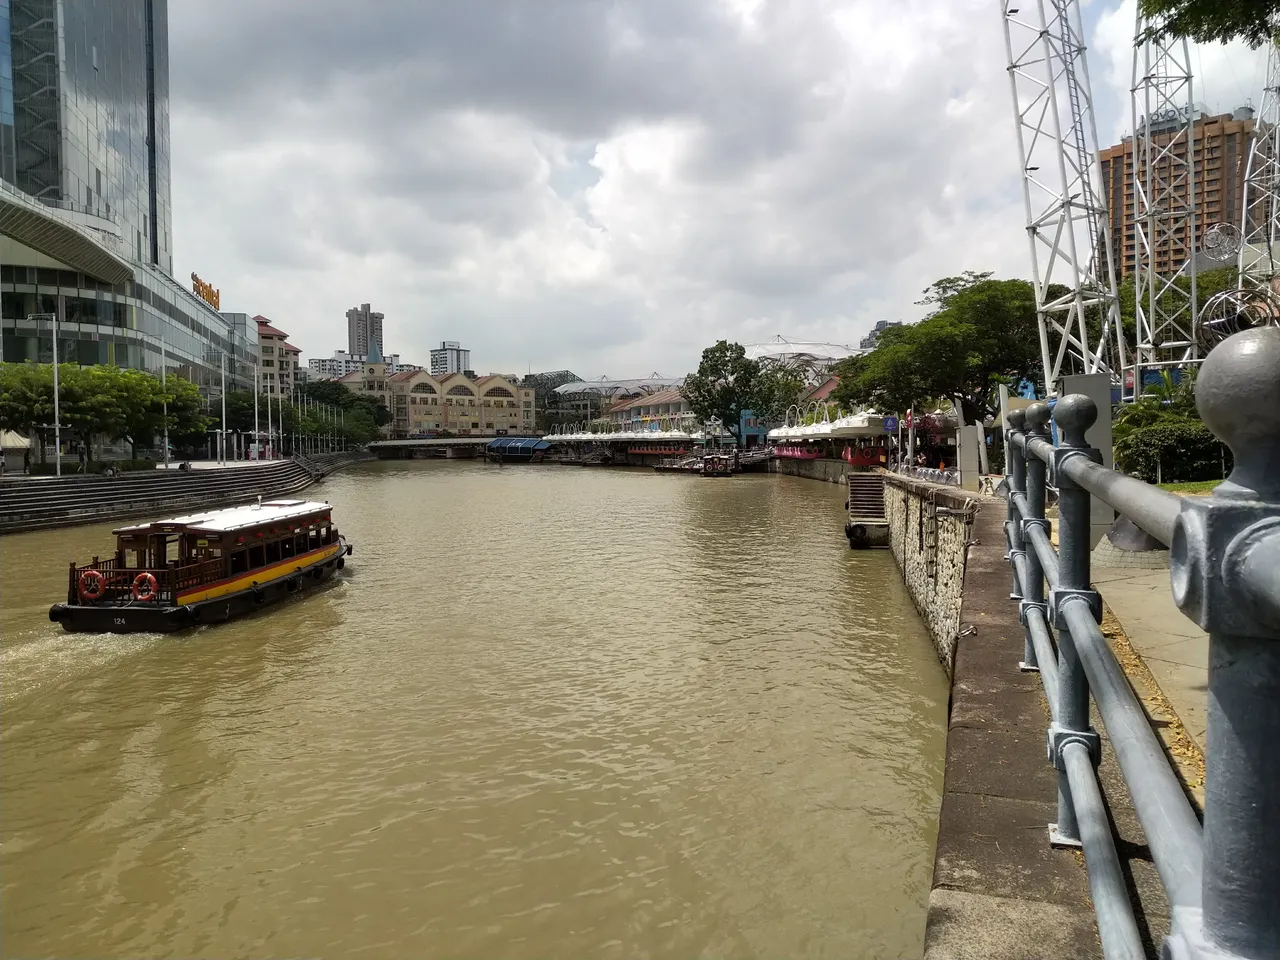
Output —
<point x="891" y="424"/>
<point x="206" y="292"/>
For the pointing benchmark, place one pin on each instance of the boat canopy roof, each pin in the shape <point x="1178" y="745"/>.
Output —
<point x="231" y="518"/>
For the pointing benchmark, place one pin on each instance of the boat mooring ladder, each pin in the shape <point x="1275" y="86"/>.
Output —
<point x="866" y="497"/>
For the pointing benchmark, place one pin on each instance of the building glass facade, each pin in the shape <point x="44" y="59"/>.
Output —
<point x="6" y="95"/>
<point x="84" y="130"/>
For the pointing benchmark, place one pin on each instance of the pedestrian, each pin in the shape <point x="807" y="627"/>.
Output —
<point x="83" y="457"/>
<point x="26" y="461"/>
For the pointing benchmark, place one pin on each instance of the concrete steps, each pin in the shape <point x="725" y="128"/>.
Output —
<point x="39" y="502"/>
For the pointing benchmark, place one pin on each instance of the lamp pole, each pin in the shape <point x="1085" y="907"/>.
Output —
<point x="164" y="392"/>
<point x="222" y="435"/>
<point x="57" y="418"/>
<point x="268" y="449"/>
<point x="257" y="437"/>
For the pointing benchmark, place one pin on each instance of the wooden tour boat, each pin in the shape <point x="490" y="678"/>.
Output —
<point x="718" y="465"/>
<point x="203" y="568"/>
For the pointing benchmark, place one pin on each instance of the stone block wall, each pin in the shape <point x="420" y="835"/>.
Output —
<point x="830" y="471"/>
<point x="931" y="550"/>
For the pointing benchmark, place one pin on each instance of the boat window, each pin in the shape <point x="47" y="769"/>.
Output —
<point x="300" y="543"/>
<point x="273" y="551"/>
<point x="315" y="538"/>
<point x="240" y="561"/>
<point x="286" y="547"/>
<point x="256" y="557"/>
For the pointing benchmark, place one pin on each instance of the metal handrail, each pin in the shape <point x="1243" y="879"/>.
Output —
<point x="1225" y="575"/>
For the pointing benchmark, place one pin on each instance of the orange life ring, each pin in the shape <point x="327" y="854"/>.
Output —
<point x="92" y="585"/>
<point x="145" y="587"/>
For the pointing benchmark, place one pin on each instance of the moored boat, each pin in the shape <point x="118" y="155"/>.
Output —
<point x="203" y="568"/>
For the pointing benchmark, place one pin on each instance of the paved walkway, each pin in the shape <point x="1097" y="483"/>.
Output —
<point x="215" y="465"/>
<point x="1175" y="650"/>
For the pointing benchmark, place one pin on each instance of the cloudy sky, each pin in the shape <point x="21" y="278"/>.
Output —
<point x="606" y="185"/>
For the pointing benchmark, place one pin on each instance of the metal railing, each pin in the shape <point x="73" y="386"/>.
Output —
<point x="928" y="473"/>
<point x="1222" y="881"/>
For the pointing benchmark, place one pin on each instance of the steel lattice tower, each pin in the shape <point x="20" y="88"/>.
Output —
<point x="1067" y="226"/>
<point x="1260" y="227"/>
<point x="1164" y="192"/>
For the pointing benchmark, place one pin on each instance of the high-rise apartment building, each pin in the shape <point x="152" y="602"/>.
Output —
<point x="450" y="358"/>
<point x="869" y="341"/>
<point x="85" y="222"/>
<point x="342" y="363"/>
<point x="1221" y="145"/>
<point x="363" y="328"/>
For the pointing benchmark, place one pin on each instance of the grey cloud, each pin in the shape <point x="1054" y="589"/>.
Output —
<point x="467" y="164"/>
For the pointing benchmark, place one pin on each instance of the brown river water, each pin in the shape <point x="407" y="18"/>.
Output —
<point x="546" y="712"/>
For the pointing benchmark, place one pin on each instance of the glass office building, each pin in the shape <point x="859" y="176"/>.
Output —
<point x="85" y="214"/>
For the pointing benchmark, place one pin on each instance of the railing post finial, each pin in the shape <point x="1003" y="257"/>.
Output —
<point x="1074" y="415"/>
<point x="1037" y="418"/>
<point x="1223" y="561"/>
<point x="1238" y="396"/>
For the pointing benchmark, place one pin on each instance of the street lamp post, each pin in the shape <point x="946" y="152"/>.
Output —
<point x="268" y="450"/>
<point x="57" y="418"/>
<point x="165" y="394"/>
<point x="257" y="437"/>
<point x="222" y="436"/>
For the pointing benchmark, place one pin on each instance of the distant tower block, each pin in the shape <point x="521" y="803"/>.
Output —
<point x="364" y="327"/>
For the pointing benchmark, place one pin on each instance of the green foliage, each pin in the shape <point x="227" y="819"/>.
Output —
<point x="1208" y="283"/>
<point x="726" y="383"/>
<point x="1192" y="486"/>
<point x="1214" y="21"/>
<point x="1163" y="402"/>
<point x="777" y="388"/>
<point x="983" y="333"/>
<point x="1173" y="450"/>
<point x="335" y="394"/>
<point x="357" y="421"/>
<point x="98" y="401"/>
<point x="940" y="291"/>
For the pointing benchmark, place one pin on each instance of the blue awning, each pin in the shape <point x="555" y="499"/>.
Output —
<point x="518" y="445"/>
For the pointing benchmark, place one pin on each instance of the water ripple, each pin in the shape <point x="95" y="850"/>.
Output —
<point x="547" y="712"/>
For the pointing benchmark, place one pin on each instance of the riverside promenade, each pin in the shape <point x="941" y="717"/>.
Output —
<point x="1151" y="830"/>
<point x="38" y="503"/>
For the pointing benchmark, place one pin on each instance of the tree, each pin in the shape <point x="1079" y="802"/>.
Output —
<point x="1161" y="402"/>
<point x="187" y="422"/>
<point x="98" y="401"/>
<point x="940" y="291"/>
<point x="727" y="382"/>
<point x="778" y="388"/>
<point x="338" y="395"/>
<point x="93" y="402"/>
<point x="1214" y="21"/>
<point x="26" y="400"/>
<point x="983" y="333"/>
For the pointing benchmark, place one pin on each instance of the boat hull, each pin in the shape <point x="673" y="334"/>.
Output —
<point x="863" y="534"/>
<point x="154" y="618"/>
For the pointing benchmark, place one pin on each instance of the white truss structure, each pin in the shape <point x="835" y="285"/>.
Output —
<point x="1259" y="258"/>
<point x="1067" y="226"/>
<point x="1164" y="212"/>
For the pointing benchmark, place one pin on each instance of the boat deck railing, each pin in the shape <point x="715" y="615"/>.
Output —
<point x="118" y="579"/>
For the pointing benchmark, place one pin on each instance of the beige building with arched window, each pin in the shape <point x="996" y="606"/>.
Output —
<point x="422" y="404"/>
